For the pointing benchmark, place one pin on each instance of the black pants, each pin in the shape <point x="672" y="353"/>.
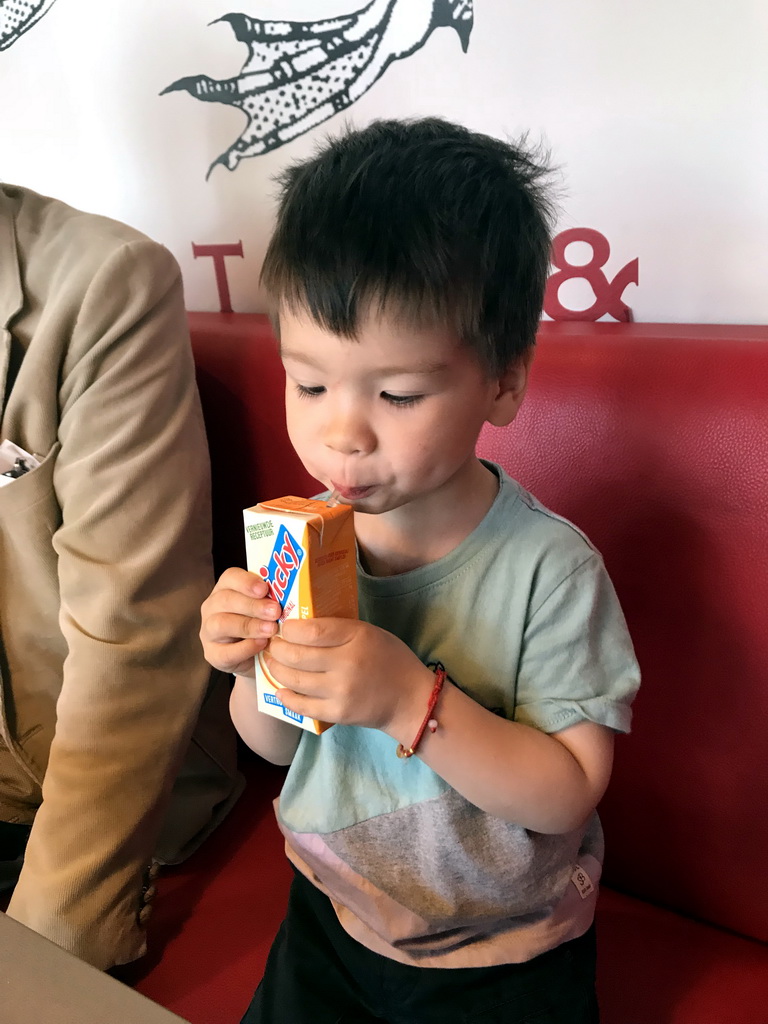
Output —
<point x="13" y="842"/>
<point x="317" y="974"/>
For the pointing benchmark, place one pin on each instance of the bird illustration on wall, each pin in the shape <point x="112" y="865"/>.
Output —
<point x="300" y="73"/>
<point x="16" y="16"/>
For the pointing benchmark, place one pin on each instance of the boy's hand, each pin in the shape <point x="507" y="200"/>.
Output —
<point x="238" y="621"/>
<point x="349" y="672"/>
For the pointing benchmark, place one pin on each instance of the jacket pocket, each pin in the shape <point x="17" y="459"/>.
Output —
<point x="32" y="649"/>
<point x="28" y="490"/>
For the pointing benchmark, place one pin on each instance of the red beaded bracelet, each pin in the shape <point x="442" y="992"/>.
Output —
<point x="429" y="722"/>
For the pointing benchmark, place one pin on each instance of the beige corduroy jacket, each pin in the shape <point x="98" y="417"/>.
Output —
<point x="104" y="561"/>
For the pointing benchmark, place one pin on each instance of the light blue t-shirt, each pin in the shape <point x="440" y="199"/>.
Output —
<point x="525" y="620"/>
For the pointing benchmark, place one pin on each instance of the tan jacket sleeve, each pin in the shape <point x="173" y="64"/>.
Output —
<point x="133" y="547"/>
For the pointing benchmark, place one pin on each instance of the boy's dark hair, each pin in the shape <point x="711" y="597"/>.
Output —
<point x="423" y="219"/>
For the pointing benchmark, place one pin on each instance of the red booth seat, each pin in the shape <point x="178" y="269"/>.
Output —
<point x="653" y="439"/>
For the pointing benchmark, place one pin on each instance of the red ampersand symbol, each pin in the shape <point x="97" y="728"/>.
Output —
<point x="608" y="294"/>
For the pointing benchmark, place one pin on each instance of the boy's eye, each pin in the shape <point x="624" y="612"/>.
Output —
<point x="401" y="400"/>
<point x="305" y="392"/>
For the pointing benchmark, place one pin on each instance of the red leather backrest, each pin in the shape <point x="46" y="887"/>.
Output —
<point x="654" y="440"/>
<point x="242" y="387"/>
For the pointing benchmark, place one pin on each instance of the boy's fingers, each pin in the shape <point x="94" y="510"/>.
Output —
<point x="300" y="704"/>
<point x="243" y="581"/>
<point x="229" y="627"/>
<point x="307" y="659"/>
<point x="319" y="632"/>
<point x="235" y="601"/>
<point x="306" y="683"/>
<point x="237" y="657"/>
<point x="257" y="607"/>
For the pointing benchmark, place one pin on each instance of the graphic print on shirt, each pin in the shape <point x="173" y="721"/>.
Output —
<point x="18" y="16"/>
<point x="300" y="73"/>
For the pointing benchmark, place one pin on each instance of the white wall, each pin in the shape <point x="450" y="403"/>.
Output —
<point x="657" y="112"/>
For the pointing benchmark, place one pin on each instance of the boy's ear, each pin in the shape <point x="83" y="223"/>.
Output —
<point x="511" y="391"/>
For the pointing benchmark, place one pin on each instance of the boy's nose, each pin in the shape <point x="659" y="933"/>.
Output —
<point x="349" y="434"/>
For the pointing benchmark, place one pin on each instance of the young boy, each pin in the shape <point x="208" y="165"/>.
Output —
<point x="407" y="272"/>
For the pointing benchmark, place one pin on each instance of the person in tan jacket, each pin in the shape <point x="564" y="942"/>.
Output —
<point x="104" y="562"/>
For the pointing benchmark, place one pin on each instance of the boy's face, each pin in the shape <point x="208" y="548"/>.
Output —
<point x="389" y="419"/>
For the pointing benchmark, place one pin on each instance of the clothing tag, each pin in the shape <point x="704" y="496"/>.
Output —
<point x="582" y="881"/>
<point x="15" y="462"/>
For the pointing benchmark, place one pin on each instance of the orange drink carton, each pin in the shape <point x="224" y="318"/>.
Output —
<point x="305" y="550"/>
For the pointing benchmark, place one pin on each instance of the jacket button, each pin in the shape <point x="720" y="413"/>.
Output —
<point x="149" y="894"/>
<point x="144" y="914"/>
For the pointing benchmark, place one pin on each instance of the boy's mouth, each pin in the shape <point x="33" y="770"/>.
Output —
<point x="352" y="493"/>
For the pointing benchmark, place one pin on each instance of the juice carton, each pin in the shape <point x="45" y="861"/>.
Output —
<point x="305" y="550"/>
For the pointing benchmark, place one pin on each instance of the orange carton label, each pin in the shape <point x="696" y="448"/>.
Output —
<point x="305" y="550"/>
